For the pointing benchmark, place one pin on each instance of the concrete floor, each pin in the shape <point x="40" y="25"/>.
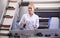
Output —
<point x="4" y="36"/>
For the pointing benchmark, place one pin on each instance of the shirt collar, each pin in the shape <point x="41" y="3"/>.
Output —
<point x="29" y="15"/>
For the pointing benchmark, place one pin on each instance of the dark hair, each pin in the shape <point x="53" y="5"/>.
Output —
<point x="24" y="3"/>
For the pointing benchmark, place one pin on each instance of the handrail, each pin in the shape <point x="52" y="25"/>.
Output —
<point x="4" y="10"/>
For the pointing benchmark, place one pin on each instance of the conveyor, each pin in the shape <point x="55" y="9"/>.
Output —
<point x="35" y="33"/>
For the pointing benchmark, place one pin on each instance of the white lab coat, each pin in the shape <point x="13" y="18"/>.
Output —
<point x="30" y="21"/>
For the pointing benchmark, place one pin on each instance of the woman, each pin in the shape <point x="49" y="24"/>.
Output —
<point x="30" y="19"/>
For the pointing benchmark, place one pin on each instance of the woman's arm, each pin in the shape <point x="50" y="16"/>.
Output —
<point x="22" y="21"/>
<point x="36" y="23"/>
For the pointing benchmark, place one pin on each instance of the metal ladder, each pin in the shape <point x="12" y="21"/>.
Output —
<point x="8" y="18"/>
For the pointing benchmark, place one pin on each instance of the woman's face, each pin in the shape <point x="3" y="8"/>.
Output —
<point x="30" y="9"/>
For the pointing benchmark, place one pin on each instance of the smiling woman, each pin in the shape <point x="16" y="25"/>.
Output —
<point x="30" y="19"/>
<point x="31" y="8"/>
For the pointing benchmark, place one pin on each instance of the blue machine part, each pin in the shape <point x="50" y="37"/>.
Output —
<point x="53" y="23"/>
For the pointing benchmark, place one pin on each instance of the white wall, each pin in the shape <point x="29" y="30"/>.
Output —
<point x="43" y="5"/>
<point x="47" y="6"/>
<point x="41" y="0"/>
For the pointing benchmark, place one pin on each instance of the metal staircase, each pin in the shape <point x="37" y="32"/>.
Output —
<point x="8" y="18"/>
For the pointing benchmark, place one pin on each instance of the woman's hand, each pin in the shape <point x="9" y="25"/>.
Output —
<point x="35" y="26"/>
<point x="22" y="23"/>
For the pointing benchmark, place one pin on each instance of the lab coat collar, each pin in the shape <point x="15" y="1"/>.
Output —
<point x="29" y="15"/>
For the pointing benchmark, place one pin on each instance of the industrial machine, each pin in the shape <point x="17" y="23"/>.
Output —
<point x="49" y="18"/>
